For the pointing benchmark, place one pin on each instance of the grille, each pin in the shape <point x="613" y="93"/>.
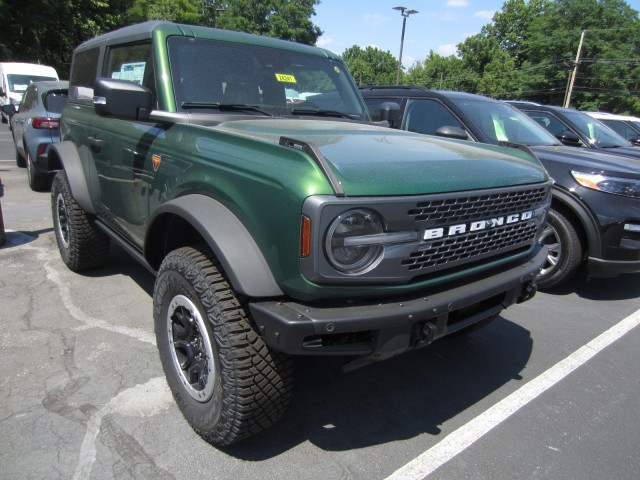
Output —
<point x="457" y="210"/>
<point x="467" y="247"/>
<point x="470" y="246"/>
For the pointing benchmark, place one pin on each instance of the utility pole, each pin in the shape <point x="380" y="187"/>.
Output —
<point x="567" y="97"/>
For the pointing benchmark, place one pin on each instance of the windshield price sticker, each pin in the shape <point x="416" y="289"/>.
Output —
<point x="282" y="77"/>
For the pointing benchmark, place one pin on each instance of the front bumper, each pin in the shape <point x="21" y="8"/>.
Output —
<point x="391" y="326"/>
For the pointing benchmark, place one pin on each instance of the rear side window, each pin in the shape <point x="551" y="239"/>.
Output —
<point x="83" y="75"/>
<point x="29" y="100"/>
<point x="54" y="102"/>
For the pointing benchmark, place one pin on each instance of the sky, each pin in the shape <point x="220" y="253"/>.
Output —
<point x="439" y="26"/>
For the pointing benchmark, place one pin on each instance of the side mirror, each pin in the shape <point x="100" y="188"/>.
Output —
<point x="452" y="132"/>
<point x="122" y="98"/>
<point x="569" y="139"/>
<point x="390" y="112"/>
<point x="9" y="109"/>
<point x="635" y="141"/>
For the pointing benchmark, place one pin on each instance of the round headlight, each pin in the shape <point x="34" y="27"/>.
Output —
<point x="349" y="245"/>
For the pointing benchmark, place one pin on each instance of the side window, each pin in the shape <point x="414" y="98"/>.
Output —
<point x="427" y="116"/>
<point x="29" y="100"/>
<point x="548" y="121"/>
<point x="83" y="75"/>
<point x="133" y="63"/>
<point x="375" y="104"/>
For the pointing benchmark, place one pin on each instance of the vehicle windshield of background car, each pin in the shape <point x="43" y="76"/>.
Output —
<point x="19" y="83"/>
<point x="598" y="134"/>
<point x="277" y="81"/>
<point x="504" y="124"/>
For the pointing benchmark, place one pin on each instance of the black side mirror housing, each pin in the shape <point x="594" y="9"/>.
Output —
<point x="635" y="141"/>
<point x="452" y="132"/>
<point x="9" y="109"/>
<point x="569" y="139"/>
<point x="390" y="112"/>
<point x="122" y="98"/>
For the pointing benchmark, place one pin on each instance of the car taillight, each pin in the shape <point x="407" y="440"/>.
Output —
<point x="45" y="122"/>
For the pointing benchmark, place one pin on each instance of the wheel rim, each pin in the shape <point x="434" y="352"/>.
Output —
<point x="62" y="223"/>
<point x="190" y="348"/>
<point x="551" y="240"/>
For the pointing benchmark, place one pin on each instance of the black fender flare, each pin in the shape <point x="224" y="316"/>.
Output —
<point x="78" y="178"/>
<point x="584" y="216"/>
<point x="228" y="238"/>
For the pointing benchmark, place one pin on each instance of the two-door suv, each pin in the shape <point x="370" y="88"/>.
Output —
<point x="245" y="173"/>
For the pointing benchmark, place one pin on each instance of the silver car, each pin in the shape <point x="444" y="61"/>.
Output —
<point x="35" y="126"/>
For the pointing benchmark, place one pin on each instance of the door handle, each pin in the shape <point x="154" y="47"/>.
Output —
<point x="95" y="144"/>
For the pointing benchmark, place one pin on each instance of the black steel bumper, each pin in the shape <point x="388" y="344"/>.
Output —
<point x="391" y="326"/>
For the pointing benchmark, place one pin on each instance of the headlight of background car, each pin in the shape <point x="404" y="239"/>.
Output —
<point x="627" y="187"/>
<point x="349" y="245"/>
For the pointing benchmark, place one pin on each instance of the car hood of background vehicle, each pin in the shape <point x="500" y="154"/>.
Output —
<point x="591" y="160"/>
<point x="372" y="160"/>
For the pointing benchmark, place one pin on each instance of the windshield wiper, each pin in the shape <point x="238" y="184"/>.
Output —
<point x="322" y="113"/>
<point x="225" y="107"/>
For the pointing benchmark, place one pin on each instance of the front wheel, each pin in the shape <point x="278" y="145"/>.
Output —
<point x="82" y="245"/>
<point x="564" y="251"/>
<point x="228" y="384"/>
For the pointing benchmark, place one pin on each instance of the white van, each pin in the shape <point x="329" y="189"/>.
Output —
<point x="16" y="77"/>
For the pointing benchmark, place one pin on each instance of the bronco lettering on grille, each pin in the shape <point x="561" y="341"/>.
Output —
<point x="451" y="230"/>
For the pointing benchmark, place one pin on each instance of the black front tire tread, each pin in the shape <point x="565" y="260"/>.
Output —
<point x="88" y="245"/>
<point x="256" y="381"/>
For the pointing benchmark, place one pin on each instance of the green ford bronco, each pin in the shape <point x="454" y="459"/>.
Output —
<point x="244" y="172"/>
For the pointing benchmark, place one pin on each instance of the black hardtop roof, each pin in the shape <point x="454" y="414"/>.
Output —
<point x="145" y="30"/>
<point x="414" y="91"/>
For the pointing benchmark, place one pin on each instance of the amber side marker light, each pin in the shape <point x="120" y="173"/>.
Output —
<point x="305" y="236"/>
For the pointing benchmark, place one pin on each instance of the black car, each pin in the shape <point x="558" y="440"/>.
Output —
<point x="578" y="129"/>
<point x="595" y="215"/>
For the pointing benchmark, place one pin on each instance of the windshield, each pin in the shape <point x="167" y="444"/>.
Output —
<point x="19" y="83"/>
<point x="211" y="73"/>
<point x="598" y="133"/>
<point x="502" y="123"/>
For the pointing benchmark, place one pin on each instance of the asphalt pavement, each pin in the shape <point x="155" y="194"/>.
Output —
<point x="550" y="390"/>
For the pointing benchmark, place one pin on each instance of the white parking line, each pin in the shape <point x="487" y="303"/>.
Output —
<point x="468" y="434"/>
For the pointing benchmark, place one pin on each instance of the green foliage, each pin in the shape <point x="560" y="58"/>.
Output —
<point x="441" y="73"/>
<point x="371" y="66"/>
<point x="285" y="19"/>
<point x="47" y="31"/>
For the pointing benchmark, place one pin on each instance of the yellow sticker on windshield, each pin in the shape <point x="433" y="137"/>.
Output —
<point x="282" y="77"/>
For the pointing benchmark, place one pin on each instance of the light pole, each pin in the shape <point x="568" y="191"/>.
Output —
<point x="405" y="12"/>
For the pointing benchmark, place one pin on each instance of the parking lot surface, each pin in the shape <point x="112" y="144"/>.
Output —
<point x="550" y="390"/>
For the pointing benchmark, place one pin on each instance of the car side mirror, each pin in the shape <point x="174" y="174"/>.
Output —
<point x="635" y="141"/>
<point x="452" y="132"/>
<point x="569" y="139"/>
<point x="9" y="109"/>
<point x="390" y="112"/>
<point x="122" y="98"/>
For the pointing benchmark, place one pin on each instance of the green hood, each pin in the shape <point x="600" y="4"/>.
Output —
<point x="371" y="160"/>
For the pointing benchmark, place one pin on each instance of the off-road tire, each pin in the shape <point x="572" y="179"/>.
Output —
<point x="228" y="384"/>
<point x="81" y="243"/>
<point x="565" y="251"/>
<point x="37" y="181"/>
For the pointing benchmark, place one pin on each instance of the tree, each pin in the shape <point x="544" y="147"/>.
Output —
<point x="181" y="11"/>
<point x="371" y="66"/>
<point x="441" y="73"/>
<point x="285" y="19"/>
